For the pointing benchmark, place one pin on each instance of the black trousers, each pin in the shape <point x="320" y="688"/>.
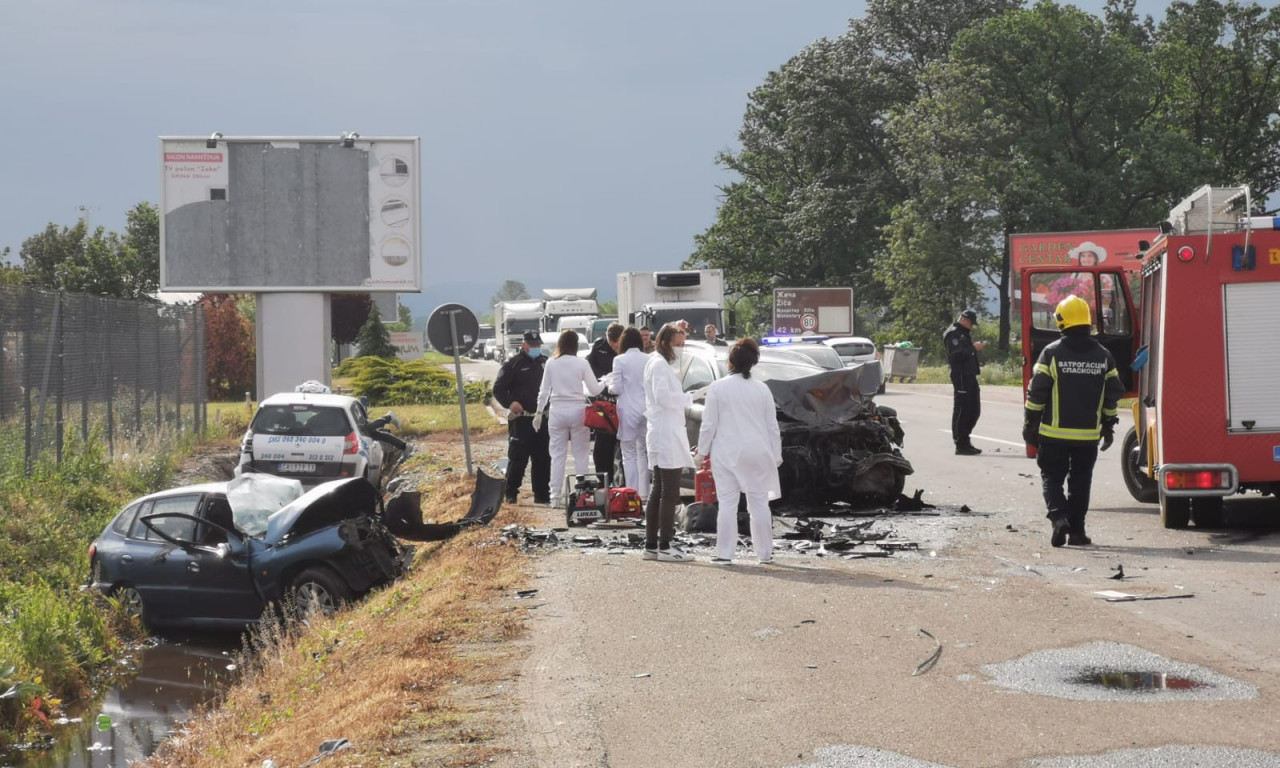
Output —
<point x="1072" y="464"/>
<point x="603" y="452"/>
<point x="660" y="512"/>
<point x="525" y="445"/>
<point x="966" y="406"/>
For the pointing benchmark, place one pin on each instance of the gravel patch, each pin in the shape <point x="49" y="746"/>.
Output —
<point x="852" y="756"/>
<point x="1166" y="757"/>
<point x="1106" y="671"/>
<point x="863" y="757"/>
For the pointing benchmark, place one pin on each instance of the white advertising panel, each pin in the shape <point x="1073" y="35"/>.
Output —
<point x="265" y="214"/>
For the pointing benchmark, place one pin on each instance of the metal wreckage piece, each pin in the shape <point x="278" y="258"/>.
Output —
<point x="837" y="444"/>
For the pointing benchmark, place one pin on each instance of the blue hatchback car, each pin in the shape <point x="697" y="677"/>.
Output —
<point x="216" y="555"/>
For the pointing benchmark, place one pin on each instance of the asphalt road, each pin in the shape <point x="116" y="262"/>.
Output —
<point x="809" y="662"/>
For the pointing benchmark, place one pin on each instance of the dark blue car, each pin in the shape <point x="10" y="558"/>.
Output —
<point x="217" y="554"/>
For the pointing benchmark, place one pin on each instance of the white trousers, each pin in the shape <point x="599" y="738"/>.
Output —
<point x="567" y="431"/>
<point x="727" y="492"/>
<point x="635" y="464"/>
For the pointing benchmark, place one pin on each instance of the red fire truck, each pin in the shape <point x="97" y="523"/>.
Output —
<point x="1195" y="340"/>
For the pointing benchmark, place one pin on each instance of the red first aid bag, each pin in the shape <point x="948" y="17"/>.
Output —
<point x="601" y="415"/>
<point x="624" y="502"/>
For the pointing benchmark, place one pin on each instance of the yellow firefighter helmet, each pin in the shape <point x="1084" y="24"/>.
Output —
<point x="1072" y="311"/>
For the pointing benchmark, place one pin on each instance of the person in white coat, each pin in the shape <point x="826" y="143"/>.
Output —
<point x="628" y="385"/>
<point x="566" y="381"/>
<point x="740" y="434"/>
<point x="667" y="443"/>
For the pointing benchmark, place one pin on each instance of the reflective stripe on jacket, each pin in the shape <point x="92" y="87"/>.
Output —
<point x="1074" y="388"/>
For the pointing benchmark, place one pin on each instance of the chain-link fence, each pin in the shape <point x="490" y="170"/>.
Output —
<point x="122" y="371"/>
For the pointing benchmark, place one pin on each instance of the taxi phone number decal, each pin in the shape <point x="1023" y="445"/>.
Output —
<point x="294" y="440"/>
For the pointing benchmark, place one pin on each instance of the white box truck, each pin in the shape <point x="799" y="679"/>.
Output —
<point x="511" y="319"/>
<point x="652" y="299"/>
<point x="559" y="303"/>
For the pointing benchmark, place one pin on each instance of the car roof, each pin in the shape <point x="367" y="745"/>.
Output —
<point x="183" y="490"/>
<point x="308" y="398"/>
<point x="849" y="340"/>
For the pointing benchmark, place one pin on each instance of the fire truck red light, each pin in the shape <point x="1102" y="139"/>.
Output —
<point x="1186" y="253"/>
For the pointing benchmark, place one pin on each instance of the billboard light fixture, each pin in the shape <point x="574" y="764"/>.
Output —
<point x="212" y="141"/>
<point x="349" y="139"/>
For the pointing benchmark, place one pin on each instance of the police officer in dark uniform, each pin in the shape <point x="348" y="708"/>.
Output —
<point x="962" y="356"/>
<point x="600" y="359"/>
<point x="528" y="438"/>
<point x="1071" y="405"/>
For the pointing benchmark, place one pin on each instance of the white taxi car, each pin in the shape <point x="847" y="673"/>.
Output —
<point x="312" y="438"/>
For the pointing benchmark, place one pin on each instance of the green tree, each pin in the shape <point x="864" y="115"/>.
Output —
<point x="99" y="262"/>
<point x="1039" y="120"/>
<point x="511" y="290"/>
<point x="817" y="178"/>
<point x="405" y="321"/>
<point x="605" y="308"/>
<point x="374" y="340"/>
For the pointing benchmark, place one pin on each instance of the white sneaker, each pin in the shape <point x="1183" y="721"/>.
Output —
<point x="673" y="555"/>
<point x="650" y="554"/>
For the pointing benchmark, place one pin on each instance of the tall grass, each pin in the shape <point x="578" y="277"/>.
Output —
<point x="56" y="636"/>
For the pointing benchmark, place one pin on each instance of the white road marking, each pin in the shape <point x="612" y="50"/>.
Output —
<point x="990" y="439"/>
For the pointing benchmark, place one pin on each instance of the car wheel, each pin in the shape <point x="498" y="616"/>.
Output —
<point x="1206" y="511"/>
<point x="1175" y="511"/>
<point x="1141" y="487"/>
<point x="130" y="600"/>
<point x="319" y="590"/>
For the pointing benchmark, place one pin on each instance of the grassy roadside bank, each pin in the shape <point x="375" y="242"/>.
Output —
<point x="385" y="673"/>
<point x="56" y="640"/>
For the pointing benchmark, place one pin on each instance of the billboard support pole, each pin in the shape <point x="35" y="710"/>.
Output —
<point x="462" y="394"/>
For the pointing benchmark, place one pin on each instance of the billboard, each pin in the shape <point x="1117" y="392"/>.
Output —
<point x="1050" y="249"/>
<point x="826" y="311"/>
<point x="409" y="344"/>
<point x="266" y="214"/>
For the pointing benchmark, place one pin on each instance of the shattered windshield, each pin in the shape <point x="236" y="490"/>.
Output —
<point x="254" y="497"/>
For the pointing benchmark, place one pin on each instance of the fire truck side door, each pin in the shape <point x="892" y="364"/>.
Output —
<point x="1110" y="302"/>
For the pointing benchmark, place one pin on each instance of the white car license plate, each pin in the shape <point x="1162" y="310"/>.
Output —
<point x="297" y="468"/>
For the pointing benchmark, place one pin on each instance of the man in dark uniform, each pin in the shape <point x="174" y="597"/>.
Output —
<point x="600" y="359"/>
<point x="1071" y="405"/>
<point x="528" y="438"/>
<point x="962" y="356"/>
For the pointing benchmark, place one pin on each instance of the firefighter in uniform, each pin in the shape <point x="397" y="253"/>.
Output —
<point x="962" y="356"/>
<point x="528" y="439"/>
<point x="1071" y="405"/>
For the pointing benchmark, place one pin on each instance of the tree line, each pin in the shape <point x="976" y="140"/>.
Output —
<point x="899" y="157"/>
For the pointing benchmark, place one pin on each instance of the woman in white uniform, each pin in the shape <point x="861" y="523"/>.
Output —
<point x="566" y="380"/>
<point x="740" y="434"/>
<point x="628" y="385"/>
<point x="667" y="443"/>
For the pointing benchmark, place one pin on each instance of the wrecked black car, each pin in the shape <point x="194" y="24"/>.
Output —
<point x="837" y="444"/>
<point x="218" y="554"/>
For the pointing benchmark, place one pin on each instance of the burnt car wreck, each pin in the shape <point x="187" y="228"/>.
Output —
<point x="837" y="444"/>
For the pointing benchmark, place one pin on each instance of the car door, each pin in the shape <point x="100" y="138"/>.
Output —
<point x="155" y="566"/>
<point x="1116" y="322"/>
<point x="218" y="569"/>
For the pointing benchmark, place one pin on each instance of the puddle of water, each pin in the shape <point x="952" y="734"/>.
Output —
<point x="1136" y="681"/>
<point x="131" y="720"/>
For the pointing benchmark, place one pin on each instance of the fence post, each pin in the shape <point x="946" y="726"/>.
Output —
<point x="137" y="372"/>
<point x="159" y="375"/>
<point x="109" y="346"/>
<point x="59" y="423"/>
<point x="202" y="390"/>
<point x="28" y="331"/>
<point x="82" y="365"/>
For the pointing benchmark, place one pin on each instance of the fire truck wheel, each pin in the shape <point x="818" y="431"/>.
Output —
<point x="1141" y="487"/>
<point x="1206" y="511"/>
<point x="1175" y="511"/>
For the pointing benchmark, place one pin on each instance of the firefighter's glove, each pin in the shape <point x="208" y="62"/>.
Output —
<point x="537" y="422"/>
<point x="1031" y="429"/>
<point x="1108" y="434"/>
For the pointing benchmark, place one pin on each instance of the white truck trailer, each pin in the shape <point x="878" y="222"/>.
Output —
<point x="696" y="296"/>
<point x="511" y="319"/>
<point x="563" y="303"/>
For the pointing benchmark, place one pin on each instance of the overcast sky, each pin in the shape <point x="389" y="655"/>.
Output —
<point x="563" y="141"/>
